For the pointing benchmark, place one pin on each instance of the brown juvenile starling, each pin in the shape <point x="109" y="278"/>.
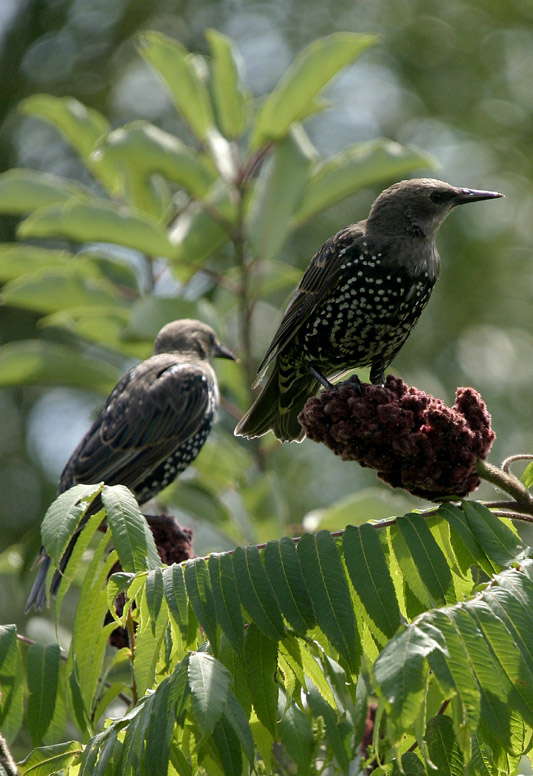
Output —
<point x="153" y="424"/>
<point x="357" y="301"/>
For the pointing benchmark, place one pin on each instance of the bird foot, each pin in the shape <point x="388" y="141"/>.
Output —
<point x="356" y="382"/>
<point x="320" y="377"/>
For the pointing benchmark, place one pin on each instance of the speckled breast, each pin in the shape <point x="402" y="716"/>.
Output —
<point x="367" y="316"/>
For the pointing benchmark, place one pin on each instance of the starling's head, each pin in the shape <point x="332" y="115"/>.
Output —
<point x="190" y="336"/>
<point x="417" y="207"/>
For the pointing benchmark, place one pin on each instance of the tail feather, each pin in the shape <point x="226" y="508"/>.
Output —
<point x="268" y="414"/>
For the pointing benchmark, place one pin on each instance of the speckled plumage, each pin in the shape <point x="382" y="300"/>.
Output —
<point x="357" y="302"/>
<point x="152" y="426"/>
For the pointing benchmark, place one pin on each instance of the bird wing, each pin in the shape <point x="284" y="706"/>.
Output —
<point x="318" y="279"/>
<point x="156" y="407"/>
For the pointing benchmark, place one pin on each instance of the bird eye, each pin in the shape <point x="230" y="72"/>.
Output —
<point x="440" y="196"/>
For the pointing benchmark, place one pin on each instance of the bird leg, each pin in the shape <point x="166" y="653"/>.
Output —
<point x="320" y="377"/>
<point x="377" y="374"/>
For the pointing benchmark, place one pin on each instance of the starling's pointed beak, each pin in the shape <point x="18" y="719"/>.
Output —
<point x="221" y="351"/>
<point x="474" y="195"/>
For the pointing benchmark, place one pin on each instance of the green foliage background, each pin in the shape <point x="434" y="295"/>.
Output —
<point x="453" y="80"/>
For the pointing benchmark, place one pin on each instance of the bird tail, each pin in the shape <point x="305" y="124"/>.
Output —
<point x="37" y="596"/>
<point x="278" y="412"/>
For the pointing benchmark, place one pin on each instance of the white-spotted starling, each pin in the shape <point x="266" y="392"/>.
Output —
<point x="357" y="302"/>
<point x="152" y="426"/>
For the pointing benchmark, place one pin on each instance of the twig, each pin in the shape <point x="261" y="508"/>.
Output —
<point x="512" y="458"/>
<point x="508" y="483"/>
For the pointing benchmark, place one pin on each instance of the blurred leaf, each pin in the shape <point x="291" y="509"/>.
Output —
<point x="81" y="126"/>
<point x="368" y="504"/>
<point x="53" y="289"/>
<point x="149" y="314"/>
<point x="17" y="260"/>
<point x="194" y="499"/>
<point x="527" y="476"/>
<point x="295" y="92"/>
<point x="148" y="150"/>
<point x="99" y="221"/>
<point x="51" y="759"/>
<point x="42" y="665"/>
<point x="132" y="537"/>
<point x="22" y="191"/>
<point x="38" y="362"/>
<point x="198" y="232"/>
<point x="102" y="325"/>
<point x="11" y="681"/>
<point x="357" y="166"/>
<point x="230" y="101"/>
<point x="176" y="66"/>
<point x="278" y="193"/>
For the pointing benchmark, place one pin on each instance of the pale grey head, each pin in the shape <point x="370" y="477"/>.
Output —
<point x="191" y="336"/>
<point x="418" y="207"/>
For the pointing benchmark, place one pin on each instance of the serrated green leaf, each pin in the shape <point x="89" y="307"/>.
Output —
<point x="63" y="517"/>
<point x="154" y="593"/>
<point x="22" y="191"/>
<point x="277" y="194"/>
<point x="201" y="598"/>
<point x="370" y="577"/>
<point x="293" y="96"/>
<point x="284" y="571"/>
<point x="132" y="537"/>
<point x="42" y="666"/>
<point x="464" y="541"/>
<point x="176" y="597"/>
<point x="497" y="540"/>
<point x="443" y="748"/>
<point x="86" y="656"/>
<point x="256" y="592"/>
<point x="161" y="726"/>
<point x="360" y="165"/>
<point x="98" y="221"/>
<point x="209" y="682"/>
<point x="226" y="598"/>
<point x="297" y="736"/>
<point x="229" y="99"/>
<point x="413" y="584"/>
<point x="430" y="562"/>
<point x="38" y="362"/>
<point x="337" y="743"/>
<point x="176" y="66"/>
<point x="401" y="671"/>
<point x="261" y="661"/>
<point x="329" y="591"/>
<point x="51" y="759"/>
<point x="228" y="748"/>
<point x="238" y="720"/>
